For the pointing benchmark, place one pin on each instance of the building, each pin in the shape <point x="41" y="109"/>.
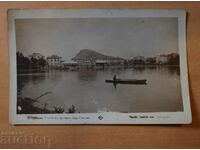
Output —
<point x="70" y="66"/>
<point x="101" y="64"/>
<point x="54" y="61"/>
<point x="36" y="56"/>
<point x="115" y="61"/>
<point x="138" y="60"/>
<point x="162" y="59"/>
<point x="85" y="63"/>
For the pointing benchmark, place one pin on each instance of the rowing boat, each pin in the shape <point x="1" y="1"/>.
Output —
<point x="126" y="81"/>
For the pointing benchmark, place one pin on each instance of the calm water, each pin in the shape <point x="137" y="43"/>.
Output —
<point x="89" y="93"/>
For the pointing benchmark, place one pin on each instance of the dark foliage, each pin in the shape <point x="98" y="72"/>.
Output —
<point x="24" y="63"/>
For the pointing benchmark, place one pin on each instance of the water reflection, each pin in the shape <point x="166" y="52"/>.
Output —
<point x="88" y="92"/>
<point x="87" y="75"/>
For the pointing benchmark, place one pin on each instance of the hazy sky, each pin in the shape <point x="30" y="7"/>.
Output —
<point x="123" y="37"/>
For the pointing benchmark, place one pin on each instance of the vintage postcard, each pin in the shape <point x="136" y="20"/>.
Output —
<point x="98" y="66"/>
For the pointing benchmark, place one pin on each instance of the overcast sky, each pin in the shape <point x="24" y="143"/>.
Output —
<point x="122" y="37"/>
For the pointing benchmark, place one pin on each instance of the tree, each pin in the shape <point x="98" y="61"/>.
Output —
<point x="34" y="63"/>
<point x="42" y="62"/>
<point x="173" y="59"/>
<point x="22" y="61"/>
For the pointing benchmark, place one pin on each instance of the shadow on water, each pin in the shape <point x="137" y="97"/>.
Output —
<point x="172" y="70"/>
<point x="117" y="71"/>
<point x="22" y="80"/>
<point x="87" y="75"/>
<point x="139" y="68"/>
<point x="115" y="84"/>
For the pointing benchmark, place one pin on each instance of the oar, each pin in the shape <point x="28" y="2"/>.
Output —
<point x="42" y="95"/>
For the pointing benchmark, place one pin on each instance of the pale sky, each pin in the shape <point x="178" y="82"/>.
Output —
<point x="120" y="37"/>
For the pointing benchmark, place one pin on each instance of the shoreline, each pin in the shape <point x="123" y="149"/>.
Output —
<point x="35" y="72"/>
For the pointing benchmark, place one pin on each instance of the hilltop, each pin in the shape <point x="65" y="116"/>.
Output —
<point x="87" y="54"/>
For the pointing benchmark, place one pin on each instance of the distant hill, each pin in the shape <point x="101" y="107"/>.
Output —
<point x="87" y="54"/>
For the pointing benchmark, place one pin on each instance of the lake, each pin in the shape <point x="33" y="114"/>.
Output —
<point x="88" y="92"/>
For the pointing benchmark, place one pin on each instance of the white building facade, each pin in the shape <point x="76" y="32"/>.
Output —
<point x="54" y="61"/>
<point x="162" y="59"/>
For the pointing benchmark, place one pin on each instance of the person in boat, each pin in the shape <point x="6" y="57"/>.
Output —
<point x="114" y="78"/>
<point x="114" y="83"/>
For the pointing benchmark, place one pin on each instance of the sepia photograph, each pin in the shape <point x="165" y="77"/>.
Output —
<point x="98" y="67"/>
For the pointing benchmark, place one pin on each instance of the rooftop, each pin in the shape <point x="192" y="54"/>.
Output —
<point x="54" y="57"/>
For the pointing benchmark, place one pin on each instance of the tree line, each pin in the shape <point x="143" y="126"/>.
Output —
<point x="24" y="62"/>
